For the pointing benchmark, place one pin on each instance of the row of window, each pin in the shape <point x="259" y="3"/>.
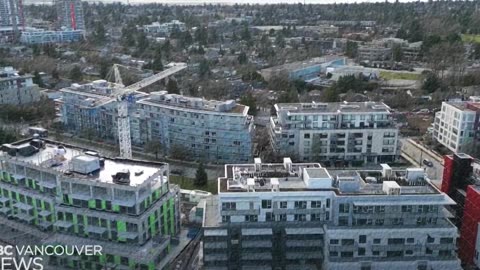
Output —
<point x="282" y="217"/>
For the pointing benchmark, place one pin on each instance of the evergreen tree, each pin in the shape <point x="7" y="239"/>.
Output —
<point x="172" y="87"/>
<point x="250" y="101"/>
<point x="76" y="74"/>
<point x="37" y="79"/>
<point x="201" y="176"/>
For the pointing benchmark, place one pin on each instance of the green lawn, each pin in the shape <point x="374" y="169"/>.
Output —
<point x="187" y="183"/>
<point x="388" y="75"/>
<point x="471" y="38"/>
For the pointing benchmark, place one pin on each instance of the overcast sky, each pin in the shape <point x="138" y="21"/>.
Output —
<point x="199" y="2"/>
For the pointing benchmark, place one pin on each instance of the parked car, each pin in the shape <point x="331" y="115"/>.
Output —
<point x="427" y="163"/>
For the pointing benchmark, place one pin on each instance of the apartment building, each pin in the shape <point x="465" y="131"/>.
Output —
<point x="303" y="70"/>
<point x="70" y="14"/>
<point x="11" y="13"/>
<point x="164" y="29"/>
<point x="219" y="131"/>
<point x="456" y="125"/>
<point x="209" y="130"/>
<point x="374" y="53"/>
<point x="302" y="216"/>
<point x="341" y="132"/>
<point x="38" y="36"/>
<point x="77" y="197"/>
<point x="16" y="89"/>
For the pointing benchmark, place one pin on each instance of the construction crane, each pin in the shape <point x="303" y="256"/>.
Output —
<point x="124" y="96"/>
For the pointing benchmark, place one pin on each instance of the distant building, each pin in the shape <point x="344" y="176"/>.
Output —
<point x="331" y="133"/>
<point x="357" y="71"/>
<point x="48" y="37"/>
<point x="302" y="216"/>
<point x="303" y="70"/>
<point x="164" y="29"/>
<point x="70" y="14"/>
<point x="456" y="125"/>
<point x="17" y="89"/>
<point x="11" y="13"/>
<point x="374" y="53"/>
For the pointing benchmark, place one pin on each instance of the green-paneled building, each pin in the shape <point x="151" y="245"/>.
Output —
<point x="81" y="198"/>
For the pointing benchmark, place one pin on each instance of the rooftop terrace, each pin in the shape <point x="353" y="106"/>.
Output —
<point x="334" y="107"/>
<point x="79" y="163"/>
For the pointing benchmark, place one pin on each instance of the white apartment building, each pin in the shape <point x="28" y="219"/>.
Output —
<point x="456" y="125"/>
<point x="352" y="133"/>
<point x="165" y="28"/>
<point x="16" y="89"/>
<point x="301" y="216"/>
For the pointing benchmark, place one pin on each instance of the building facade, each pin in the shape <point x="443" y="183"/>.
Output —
<point x="164" y="29"/>
<point x="355" y="132"/>
<point x="11" y="13"/>
<point x="301" y="216"/>
<point x="48" y="37"/>
<point x="374" y="53"/>
<point x="70" y="14"/>
<point x="456" y="125"/>
<point x="77" y="197"/>
<point x="209" y="130"/>
<point x="17" y="89"/>
<point x="304" y="70"/>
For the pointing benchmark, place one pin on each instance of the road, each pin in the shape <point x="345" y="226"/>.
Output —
<point x="417" y="153"/>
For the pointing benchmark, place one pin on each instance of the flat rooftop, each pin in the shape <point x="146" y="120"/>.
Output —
<point x="278" y="177"/>
<point x="49" y="157"/>
<point x="334" y="107"/>
<point x="466" y="105"/>
<point x="303" y="64"/>
<point x="162" y="98"/>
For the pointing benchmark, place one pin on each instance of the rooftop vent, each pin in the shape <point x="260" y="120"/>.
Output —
<point x="121" y="177"/>
<point x="85" y="164"/>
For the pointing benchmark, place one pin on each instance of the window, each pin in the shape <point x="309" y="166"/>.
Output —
<point x="306" y="136"/>
<point x="361" y="251"/>
<point x="266" y="204"/>
<point x="362" y="239"/>
<point x="444" y="253"/>
<point x="251" y="218"/>
<point x="328" y="203"/>
<point x="396" y="241"/>
<point x="300" y="217"/>
<point x="348" y="242"/>
<point x="346" y="254"/>
<point x="315" y="204"/>
<point x="283" y="204"/>
<point x="377" y="241"/>
<point x="282" y="217"/>
<point x="300" y="204"/>
<point x="409" y="252"/>
<point x="366" y="267"/>
<point x="225" y="219"/>
<point x="315" y="217"/>
<point x="334" y="241"/>
<point x="428" y="251"/>
<point x="343" y="221"/>
<point x="394" y="253"/>
<point x="269" y="216"/>
<point x="407" y="208"/>
<point x="410" y="240"/>
<point x="430" y="239"/>
<point x="376" y="253"/>
<point x="333" y="253"/>
<point x="229" y="206"/>
<point x="344" y="208"/>
<point x="379" y="222"/>
<point x="397" y="221"/>
<point x="446" y="240"/>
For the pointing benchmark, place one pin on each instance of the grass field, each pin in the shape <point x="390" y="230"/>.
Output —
<point x="187" y="183"/>
<point x="388" y="75"/>
<point x="471" y="38"/>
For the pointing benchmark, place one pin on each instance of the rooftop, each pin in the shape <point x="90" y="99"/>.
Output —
<point x="79" y="163"/>
<point x="334" y="107"/>
<point x="288" y="176"/>
<point x="303" y="64"/>
<point x="465" y="105"/>
<point x="174" y="100"/>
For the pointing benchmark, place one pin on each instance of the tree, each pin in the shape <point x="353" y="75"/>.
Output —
<point x="431" y="83"/>
<point x="242" y="58"/>
<point x="201" y="177"/>
<point x="204" y="68"/>
<point x="330" y="95"/>
<point x="178" y="152"/>
<point x="172" y="87"/>
<point x="76" y="74"/>
<point x="157" y="61"/>
<point x="142" y="43"/>
<point x="99" y="33"/>
<point x="250" y="101"/>
<point x="153" y="147"/>
<point x="7" y="136"/>
<point x="351" y="49"/>
<point x="397" y="53"/>
<point x="280" y="40"/>
<point x="37" y="79"/>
